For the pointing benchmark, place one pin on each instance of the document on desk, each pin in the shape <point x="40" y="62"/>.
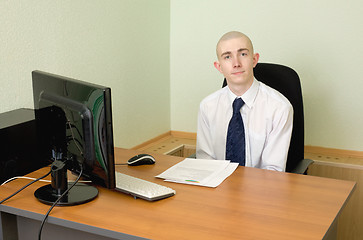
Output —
<point x="201" y="172"/>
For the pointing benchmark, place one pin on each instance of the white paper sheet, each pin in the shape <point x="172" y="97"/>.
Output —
<point x="201" y="172"/>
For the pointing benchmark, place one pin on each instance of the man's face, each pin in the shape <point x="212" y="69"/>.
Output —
<point x="236" y="61"/>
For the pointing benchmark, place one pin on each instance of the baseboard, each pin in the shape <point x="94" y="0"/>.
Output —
<point x="152" y="141"/>
<point x="180" y="134"/>
<point x="308" y="149"/>
<point x="333" y="152"/>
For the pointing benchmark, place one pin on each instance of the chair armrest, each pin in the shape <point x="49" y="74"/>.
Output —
<point x="302" y="166"/>
<point x="194" y="155"/>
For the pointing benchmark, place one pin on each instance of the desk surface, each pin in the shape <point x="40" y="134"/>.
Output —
<point x="250" y="204"/>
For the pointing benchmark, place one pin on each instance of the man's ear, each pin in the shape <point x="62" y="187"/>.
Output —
<point x="217" y="66"/>
<point x="256" y="56"/>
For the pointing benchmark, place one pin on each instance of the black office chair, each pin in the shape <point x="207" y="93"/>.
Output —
<point x="286" y="81"/>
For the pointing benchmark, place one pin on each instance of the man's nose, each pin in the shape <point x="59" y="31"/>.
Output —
<point x="236" y="63"/>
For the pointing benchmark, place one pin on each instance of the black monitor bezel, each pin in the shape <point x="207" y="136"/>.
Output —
<point x="40" y="94"/>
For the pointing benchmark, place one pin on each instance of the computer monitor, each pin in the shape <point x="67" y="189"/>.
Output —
<point x="74" y="121"/>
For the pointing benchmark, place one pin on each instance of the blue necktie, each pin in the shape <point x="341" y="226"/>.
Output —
<point x="235" y="147"/>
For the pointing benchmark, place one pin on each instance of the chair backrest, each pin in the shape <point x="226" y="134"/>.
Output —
<point x="286" y="81"/>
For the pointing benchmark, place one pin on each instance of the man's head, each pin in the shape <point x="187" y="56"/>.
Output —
<point x="236" y="60"/>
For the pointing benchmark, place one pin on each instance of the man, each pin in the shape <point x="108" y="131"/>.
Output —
<point x="246" y="121"/>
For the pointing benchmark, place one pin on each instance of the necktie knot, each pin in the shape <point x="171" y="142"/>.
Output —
<point x="237" y="104"/>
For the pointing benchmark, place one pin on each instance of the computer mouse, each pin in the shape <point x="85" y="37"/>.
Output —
<point x="141" y="159"/>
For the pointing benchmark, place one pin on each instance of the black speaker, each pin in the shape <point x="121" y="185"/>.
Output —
<point x="20" y="151"/>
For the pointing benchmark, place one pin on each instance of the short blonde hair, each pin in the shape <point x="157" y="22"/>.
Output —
<point x="232" y="35"/>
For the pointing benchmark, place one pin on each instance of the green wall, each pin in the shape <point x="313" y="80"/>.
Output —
<point x="123" y="44"/>
<point x="321" y="40"/>
<point x="157" y="56"/>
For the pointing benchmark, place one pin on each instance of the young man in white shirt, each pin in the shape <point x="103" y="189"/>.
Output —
<point x="267" y="115"/>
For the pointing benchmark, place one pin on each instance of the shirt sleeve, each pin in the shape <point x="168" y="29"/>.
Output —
<point x="274" y="155"/>
<point x="204" y="148"/>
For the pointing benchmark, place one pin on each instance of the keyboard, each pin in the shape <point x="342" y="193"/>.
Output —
<point x="141" y="188"/>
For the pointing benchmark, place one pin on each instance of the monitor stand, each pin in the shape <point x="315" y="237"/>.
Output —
<point x="78" y="194"/>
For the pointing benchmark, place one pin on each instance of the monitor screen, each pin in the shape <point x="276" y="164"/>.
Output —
<point x="74" y="119"/>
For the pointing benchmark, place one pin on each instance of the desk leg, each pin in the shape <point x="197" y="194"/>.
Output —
<point x="9" y="226"/>
<point x="14" y="227"/>
<point x="29" y="228"/>
<point x="331" y="234"/>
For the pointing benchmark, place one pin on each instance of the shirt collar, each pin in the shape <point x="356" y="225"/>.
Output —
<point x="249" y="96"/>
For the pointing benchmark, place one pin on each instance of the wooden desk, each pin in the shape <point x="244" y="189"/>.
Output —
<point x="250" y="204"/>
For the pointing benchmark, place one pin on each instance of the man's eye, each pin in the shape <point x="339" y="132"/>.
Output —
<point x="243" y="54"/>
<point x="227" y="57"/>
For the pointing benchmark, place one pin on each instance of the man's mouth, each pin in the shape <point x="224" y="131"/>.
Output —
<point x="237" y="73"/>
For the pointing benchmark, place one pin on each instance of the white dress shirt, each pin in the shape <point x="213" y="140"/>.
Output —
<point x="267" y="117"/>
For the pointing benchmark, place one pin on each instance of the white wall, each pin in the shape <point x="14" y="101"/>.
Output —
<point x="123" y="44"/>
<point x="322" y="40"/>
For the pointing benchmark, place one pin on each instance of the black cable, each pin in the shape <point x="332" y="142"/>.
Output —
<point x="71" y="138"/>
<point x="75" y="182"/>
<point x="70" y="126"/>
<point x="21" y="189"/>
<point x="74" y="139"/>
<point x="55" y="203"/>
